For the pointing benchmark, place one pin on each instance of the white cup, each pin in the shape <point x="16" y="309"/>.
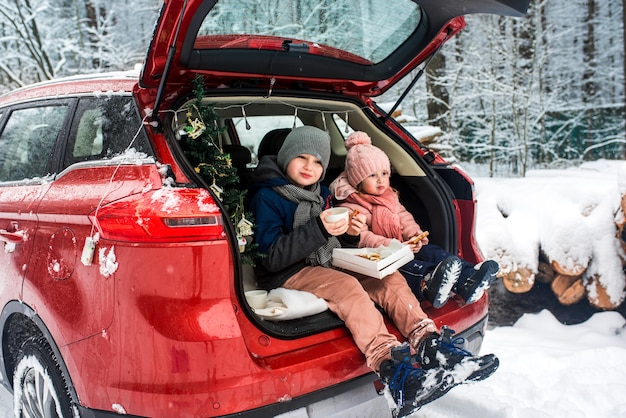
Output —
<point x="336" y="214"/>
<point x="257" y="299"/>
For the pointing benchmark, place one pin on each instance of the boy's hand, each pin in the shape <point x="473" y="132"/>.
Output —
<point x="334" y="228"/>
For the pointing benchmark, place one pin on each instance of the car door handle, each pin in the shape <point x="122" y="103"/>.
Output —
<point x="16" y="237"/>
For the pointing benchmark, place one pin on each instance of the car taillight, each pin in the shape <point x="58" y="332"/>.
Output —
<point x="164" y="215"/>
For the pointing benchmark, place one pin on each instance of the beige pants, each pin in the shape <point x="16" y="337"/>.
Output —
<point x="352" y="296"/>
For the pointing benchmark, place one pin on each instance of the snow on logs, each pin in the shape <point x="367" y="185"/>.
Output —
<point x="577" y="263"/>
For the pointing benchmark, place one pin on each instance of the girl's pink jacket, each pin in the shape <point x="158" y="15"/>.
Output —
<point x="344" y="193"/>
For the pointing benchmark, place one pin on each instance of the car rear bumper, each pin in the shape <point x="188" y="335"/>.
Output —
<point x="474" y="335"/>
<point x="346" y="400"/>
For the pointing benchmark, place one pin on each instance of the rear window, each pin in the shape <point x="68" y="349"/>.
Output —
<point x="251" y="131"/>
<point x="368" y="31"/>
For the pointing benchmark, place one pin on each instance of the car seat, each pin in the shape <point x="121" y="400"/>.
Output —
<point x="240" y="157"/>
<point x="272" y="141"/>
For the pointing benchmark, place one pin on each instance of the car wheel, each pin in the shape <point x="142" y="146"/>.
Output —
<point x="39" y="389"/>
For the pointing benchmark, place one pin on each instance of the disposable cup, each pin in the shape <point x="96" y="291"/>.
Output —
<point x="257" y="299"/>
<point x="336" y="214"/>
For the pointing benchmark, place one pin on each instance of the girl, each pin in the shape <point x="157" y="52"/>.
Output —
<point x="434" y="273"/>
<point x="297" y="240"/>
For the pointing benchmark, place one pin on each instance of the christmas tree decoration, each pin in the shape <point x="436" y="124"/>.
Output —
<point x="217" y="190"/>
<point x="195" y="128"/>
<point x="201" y="141"/>
<point x="245" y="227"/>
<point x="242" y="243"/>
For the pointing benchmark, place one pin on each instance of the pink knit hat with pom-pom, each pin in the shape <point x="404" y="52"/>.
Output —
<point x="363" y="158"/>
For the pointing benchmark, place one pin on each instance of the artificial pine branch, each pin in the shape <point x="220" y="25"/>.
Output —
<point x="204" y="149"/>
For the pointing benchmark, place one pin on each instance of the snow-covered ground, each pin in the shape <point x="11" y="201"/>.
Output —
<point x="547" y="369"/>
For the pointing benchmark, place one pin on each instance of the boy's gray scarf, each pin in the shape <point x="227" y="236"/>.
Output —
<point x="310" y="204"/>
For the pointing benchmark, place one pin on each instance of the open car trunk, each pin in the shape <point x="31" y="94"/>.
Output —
<point x="254" y="125"/>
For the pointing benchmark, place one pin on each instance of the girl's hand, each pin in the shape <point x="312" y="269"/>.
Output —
<point x="334" y="228"/>
<point x="415" y="247"/>
<point x="356" y="223"/>
<point x="416" y="243"/>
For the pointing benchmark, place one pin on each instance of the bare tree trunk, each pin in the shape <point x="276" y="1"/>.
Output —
<point x="438" y="103"/>
<point x="589" y="58"/>
<point x="520" y="111"/>
<point x="541" y="88"/>
<point x="624" y="63"/>
<point x="493" y="120"/>
<point x="93" y="22"/>
<point x="589" y="51"/>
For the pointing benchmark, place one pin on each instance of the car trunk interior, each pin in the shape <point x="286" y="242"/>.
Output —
<point x="418" y="185"/>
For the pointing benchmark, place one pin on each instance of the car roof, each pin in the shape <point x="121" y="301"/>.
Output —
<point x="339" y="45"/>
<point x="120" y="82"/>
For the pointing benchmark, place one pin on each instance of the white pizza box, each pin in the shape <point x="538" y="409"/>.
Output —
<point x="393" y="257"/>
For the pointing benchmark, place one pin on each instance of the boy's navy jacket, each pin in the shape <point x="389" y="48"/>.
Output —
<point x="286" y="249"/>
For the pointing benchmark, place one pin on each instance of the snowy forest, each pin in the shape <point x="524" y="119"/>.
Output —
<point x="515" y="94"/>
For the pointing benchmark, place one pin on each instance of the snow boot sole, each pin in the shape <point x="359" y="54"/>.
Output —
<point x="442" y="280"/>
<point x="474" y="286"/>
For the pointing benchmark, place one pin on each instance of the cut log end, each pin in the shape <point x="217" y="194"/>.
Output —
<point x="568" y="289"/>
<point x="599" y="297"/>
<point x="520" y="281"/>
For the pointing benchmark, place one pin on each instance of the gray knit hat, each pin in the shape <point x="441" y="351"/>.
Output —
<point x="305" y="140"/>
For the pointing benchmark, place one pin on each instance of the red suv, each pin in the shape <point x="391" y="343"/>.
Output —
<point x="121" y="274"/>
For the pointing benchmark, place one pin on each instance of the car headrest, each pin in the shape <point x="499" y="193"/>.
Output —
<point x="239" y="154"/>
<point x="272" y="141"/>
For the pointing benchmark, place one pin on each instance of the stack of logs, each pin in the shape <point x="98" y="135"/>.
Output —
<point x="569" y="284"/>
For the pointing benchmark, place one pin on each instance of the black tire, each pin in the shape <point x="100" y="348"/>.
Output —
<point x="39" y="389"/>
